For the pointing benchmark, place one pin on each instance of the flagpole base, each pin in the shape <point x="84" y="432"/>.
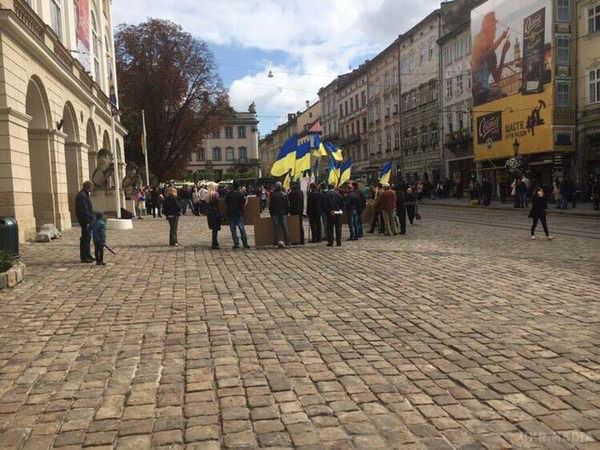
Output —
<point x="119" y="224"/>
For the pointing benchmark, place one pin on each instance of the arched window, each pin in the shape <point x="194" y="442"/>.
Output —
<point x="229" y="154"/>
<point x="216" y="156"/>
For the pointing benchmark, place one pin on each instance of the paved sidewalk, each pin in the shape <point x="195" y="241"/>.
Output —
<point x="454" y="336"/>
<point x="583" y="209"/>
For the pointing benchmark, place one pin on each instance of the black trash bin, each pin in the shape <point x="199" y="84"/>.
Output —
<point x="9" y="235"/>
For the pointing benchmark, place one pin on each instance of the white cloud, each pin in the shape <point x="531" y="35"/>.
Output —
<point x="320" y="37"/>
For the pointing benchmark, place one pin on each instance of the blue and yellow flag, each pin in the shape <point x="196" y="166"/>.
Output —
<point x="336" y="153"/>
<point x="319" y="147"/>
<point x="334" y="172"/>
<point x="286" y="158"/>
<point x="345" y="171"/>
<point x="302" y="159"/>
<point x="385" y="173"/>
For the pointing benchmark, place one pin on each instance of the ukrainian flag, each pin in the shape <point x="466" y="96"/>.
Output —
<point x="302" y="159"/>
<point x="336" y="153"/>
<point x="319" y="147"/>
<point x="334" y="172"/>
<point x="345" y="171"/>
<point x="385" y="173"/>
<point x="286" y="158"/>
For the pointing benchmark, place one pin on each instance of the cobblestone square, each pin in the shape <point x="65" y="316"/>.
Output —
<point x="462" y="334"/>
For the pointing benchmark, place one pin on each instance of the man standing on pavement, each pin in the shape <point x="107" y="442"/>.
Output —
<point x="313" y="211"/>
<point x="363" y="205"/>
<point x="387" y="205"/>
<point x="235" y="202"/>
<point x="352" y="204"/>
<point x="278" y="208"/>
<point x="333" y="205"/>
<point x="401" y="207"/>
<point x="85" y="215"/>
<point x="296" y="199"/>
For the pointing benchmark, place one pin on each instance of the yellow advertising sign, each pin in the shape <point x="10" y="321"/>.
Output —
<point x="512" y="78"/>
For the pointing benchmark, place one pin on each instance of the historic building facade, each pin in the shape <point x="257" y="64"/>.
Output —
<point x="456" y="103"/>
<point x="56" y="79"/>
<point x="352" y="117"/>
<point x="419" y="102"/>
<point x="231" y="148"/>
<point x="588" y="71"/>
<point x="384" y="108"/>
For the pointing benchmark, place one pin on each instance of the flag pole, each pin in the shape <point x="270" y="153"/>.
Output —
<point x="145" y="148"/>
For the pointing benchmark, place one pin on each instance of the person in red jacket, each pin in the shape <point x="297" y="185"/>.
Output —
<point x="387" y="205"/>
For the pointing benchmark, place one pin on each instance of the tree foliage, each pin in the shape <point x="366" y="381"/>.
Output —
<point x="172" y="77"/>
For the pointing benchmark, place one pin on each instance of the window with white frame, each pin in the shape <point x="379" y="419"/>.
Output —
<point x="563" y="93"/>
<point x="241" y="132"/>
<point x="96" y="47"/>
<point x="229" y="154"/>
<point x="56" y="17"/>
<point x="228" y="132"/>
<point x="459" y="84"/>
<point x="216" y="154"/>
<point x="594" y="18"/>
<point x="563" y="10"/>
<point x="594" y="86"/>
<point x="200" y="154"/>
<point x="562" y="49"/>
<point x="449" y="87"/>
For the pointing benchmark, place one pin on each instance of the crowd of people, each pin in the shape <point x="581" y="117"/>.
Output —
<point x="386" y="209"/>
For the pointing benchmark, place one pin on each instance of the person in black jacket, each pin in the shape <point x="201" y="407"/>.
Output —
<point x="333" y="205"/>
<point x="363" y="205"/>
<point x="352" y="207"/>
<point x="85" y="215"/>
<point x="538" y="212"/>
<point x="213" y="216"/>
<point x="172" y="211"/>
<point x="411" y="205"/>
<point x="401" y="207"/>
<point x="296" y="199"/>
<point x="314" y="210"/>
<point x="279" y="208"/>
<point x="236" y="201"/>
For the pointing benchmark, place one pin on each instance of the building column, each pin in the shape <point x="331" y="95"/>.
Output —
<point x="77" y="171"/>
<point x="59" y="179"/>
<point x="15" y="175"/>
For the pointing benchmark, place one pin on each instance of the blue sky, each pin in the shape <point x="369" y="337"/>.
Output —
<point x="305" y="43"/>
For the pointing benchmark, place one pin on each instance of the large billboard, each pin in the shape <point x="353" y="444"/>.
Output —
<point x="512" y="77"/>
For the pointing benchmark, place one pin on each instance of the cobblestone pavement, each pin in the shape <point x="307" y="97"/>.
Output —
<point x="462" y="334"/>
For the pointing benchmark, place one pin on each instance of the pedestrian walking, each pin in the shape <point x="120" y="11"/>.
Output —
<point x="279" y="208"/>
<point x="171" y="208"/>
<point x="158" y="199"/>
<point x="235" y="202"/>
<point x="314" y="210"/>
<point x="296" y="199"/>
<point x="352" y="207"/>
<point x="363" y="205"/>
<point x="214" y="218"/>
<point x="411" y="205"/>
<point x="99" y="235"/>
<point x="85" y="215"/>
<point x="538" y="212"/>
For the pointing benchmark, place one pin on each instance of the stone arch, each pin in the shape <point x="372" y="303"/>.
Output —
<point x="40" y="163"/>
<point x="73" y="155"/>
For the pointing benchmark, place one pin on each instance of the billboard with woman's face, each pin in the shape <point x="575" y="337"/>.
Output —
<point x="512" y="77"/>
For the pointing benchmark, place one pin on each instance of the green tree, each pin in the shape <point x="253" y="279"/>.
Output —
<point x="171" y="75"/>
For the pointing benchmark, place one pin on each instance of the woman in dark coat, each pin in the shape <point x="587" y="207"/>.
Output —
<point x="538" y="212"/>
<point x="411" y="205"/>
<point x="214" y="218"/>
<point x="172" y="210"/>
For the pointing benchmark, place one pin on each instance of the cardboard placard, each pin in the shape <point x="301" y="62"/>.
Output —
<point x="263" y="231"/>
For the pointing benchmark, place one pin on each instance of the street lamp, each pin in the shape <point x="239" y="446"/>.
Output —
<point x="516" y="146"/>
